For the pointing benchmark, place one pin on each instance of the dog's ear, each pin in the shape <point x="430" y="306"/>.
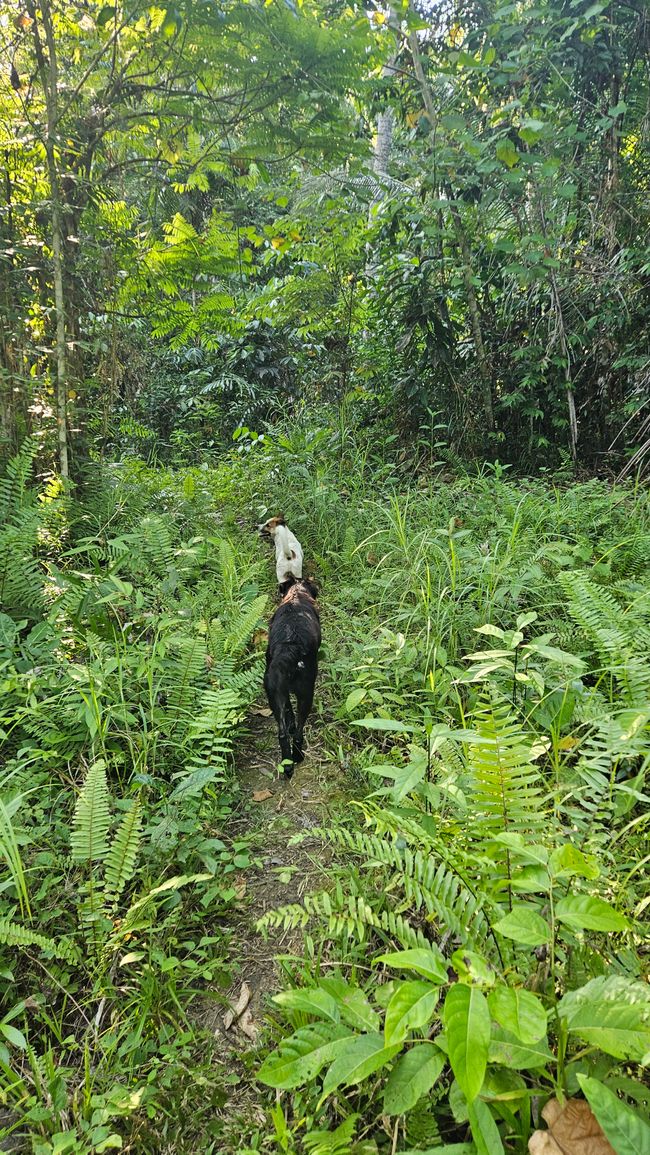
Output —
<point x="280" y="519"/>
<point x="311" y="586"/>
<point x="285" y="586"/>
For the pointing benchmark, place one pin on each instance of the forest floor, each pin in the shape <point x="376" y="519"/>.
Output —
<point x="272" y="811"/>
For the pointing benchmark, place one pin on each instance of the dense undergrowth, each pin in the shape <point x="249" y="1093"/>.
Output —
<point x="485" y="684"/>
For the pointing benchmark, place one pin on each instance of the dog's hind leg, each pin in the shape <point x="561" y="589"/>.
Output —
<point x="304" y="700"/>
<point x="280" y="703"/>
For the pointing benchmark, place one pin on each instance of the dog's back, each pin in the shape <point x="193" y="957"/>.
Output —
<point x="292" y="665"/>
<point x="294" y="629"/>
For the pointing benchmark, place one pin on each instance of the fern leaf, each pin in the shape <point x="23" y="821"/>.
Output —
<point x="91" y="817"/>
<point x="505" y="788"/>
<point x="185" y="671"/>
<point x="119" y="865"/>
<point x="12" y="934"/>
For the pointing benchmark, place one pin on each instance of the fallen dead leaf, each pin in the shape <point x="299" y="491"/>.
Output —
<point x="240" y="1006"/>
<point x="240" y="888"/>
<point x="262" y="712"/>
<point x="262" y="795"/>
<point x="573" y="1130"/>
<point x="247" y="1025"/>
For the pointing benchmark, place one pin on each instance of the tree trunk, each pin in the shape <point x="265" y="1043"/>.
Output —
<point x="384" y="138"/>
<point x="559" y="335"/>
<point x="49" y="76"/>
<point x="59" y="306"/>
<point x="463" y="245"/>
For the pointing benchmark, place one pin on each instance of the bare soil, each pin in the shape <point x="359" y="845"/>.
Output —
<point x="305" y="802"/>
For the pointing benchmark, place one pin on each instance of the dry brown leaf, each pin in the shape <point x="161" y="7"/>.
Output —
<point x="573" y="1130"/>
<point x="262" y="795"/>
<point x="239" y="1007"/>
<point x="262" y="712"/>
<point x="247" y="1025"/>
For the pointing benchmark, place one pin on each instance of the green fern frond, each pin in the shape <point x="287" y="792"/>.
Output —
<point x="505" y="788"/>
<point x="91" y="817"/>
<point x="157" y="542"/>
<point x="12" y="934"/>
<point x="437" y="887"/>
<point x="241" y="626"/>
<point x="342" y="913"/>
<point x="185" y="672"/>
<point x="211" y="732"/>
<point x="119" y="864"/>
<point x="18" y="471"/>
<point x="229" y="636"/>
<point x="618" y="634"/>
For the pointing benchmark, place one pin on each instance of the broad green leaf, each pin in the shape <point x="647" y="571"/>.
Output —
<point x="519" y="1012"/>
<point x="426" y="961"/>
<point x="507" y="153"/>
<point x="354" y="698"/>
<point x="568" y="860"/>
<point x="405" y="777"/>
<point x="446" y="1149"/>
<point x="525" y="926"/>
<point x="13" y="1036"/>
<point x="391" y="724"/>
<point x="526" y="851"/>
<point x="627" y="1132"/>
<point x="105" y="14"/>
<point x="585" y="912"/>
<point x="353" y="1005"/>
<point x="492" y="631"/>
<point x="410" y="1008"/>
<point x="470" y="965"/>
<point x="485" y="1132"/>
<point x="487" y="655"/>
<point x="612" y="1013"/>
<point x="467" y="1026"/>
<point x="412" y="1076"/>
<point x="530" y="880"/>
<point x="553" y="654"/>
<point x="507" y="1050"/>
<point x="312" y="1001"/>
<point x="299" y="1058"/>
<point x="358" y="1058"/>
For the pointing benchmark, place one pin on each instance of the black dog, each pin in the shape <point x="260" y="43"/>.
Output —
<point x="291" y="666"/>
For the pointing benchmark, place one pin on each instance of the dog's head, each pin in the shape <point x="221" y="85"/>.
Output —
<point x="292" y="587"/>
<point x="310" y="586"/>
<point x="267" y="528"/>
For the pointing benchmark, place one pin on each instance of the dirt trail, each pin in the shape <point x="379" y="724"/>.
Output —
<point x="316" y="792"/>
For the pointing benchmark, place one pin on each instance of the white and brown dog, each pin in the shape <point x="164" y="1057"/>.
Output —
<point x="288" y="550"/>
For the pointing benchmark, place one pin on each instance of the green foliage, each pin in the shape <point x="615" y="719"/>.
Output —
<point x="120" y="710"/>
<point x="488" y="884"/>
<point x="497" y="885"/>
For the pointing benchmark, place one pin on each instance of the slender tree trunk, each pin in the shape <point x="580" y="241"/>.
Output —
<point x="384" y="138"/>
<point x="463" y="245"/>
<point x="560" y="334"/>
<point x="59" y="307"/>
<point x="49" y="76"/>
